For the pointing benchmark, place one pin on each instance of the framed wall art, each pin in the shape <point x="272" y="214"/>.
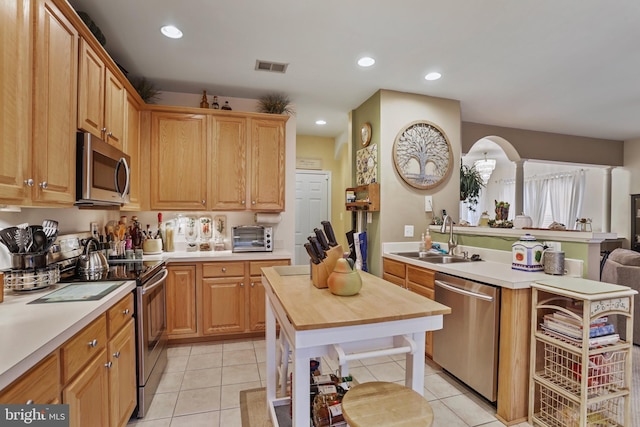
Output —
<point x="422" y="155"/>
<point x="367" y="165"/>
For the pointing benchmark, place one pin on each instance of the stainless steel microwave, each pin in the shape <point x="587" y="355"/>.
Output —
<point x="252" y="238"/>
<point x="102" y="173"/>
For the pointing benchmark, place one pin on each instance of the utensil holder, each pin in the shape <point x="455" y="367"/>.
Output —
<point x="320" y="272"/>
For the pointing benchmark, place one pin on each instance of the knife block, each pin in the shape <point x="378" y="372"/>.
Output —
<point x="320" y="272"/>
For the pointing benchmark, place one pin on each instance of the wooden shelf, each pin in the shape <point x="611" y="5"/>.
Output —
<point x="363" y="197"/>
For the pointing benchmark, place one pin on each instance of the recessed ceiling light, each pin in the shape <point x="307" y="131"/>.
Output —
<point x="433" y="76"/>
<point x="171" y="32"/>
<point x="366" y="61"/>
<point x="321" y="122"/>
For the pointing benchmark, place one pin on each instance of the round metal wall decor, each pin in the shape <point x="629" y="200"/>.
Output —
<point x="422" y="155"/>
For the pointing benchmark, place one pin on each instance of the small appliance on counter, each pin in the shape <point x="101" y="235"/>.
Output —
<point x="252" y="238"/>
<point x="526" y="254"/>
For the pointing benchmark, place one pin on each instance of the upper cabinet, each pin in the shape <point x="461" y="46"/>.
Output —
<point x="227" y="161"/>
<point x="101" y="98"/>
<point x="133" y="147"/>
<point x="179" y="153"/>
<point x="53" y="143"/>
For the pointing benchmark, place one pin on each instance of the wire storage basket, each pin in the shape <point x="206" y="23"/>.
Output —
<point x="31" y="279"/>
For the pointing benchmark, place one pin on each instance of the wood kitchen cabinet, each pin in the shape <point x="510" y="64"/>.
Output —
<point x="132" y="146"/>
<point x="15" y="86"/>
<point x="256" y="291"/>
<point x="229" y="163"/>
<point x="223" y="298"/>
<point x="179" y="161"/>
<point x="88" y="394"/>
<point x="122" y="375"/>
<point x="50" y="180"/>
<point x="181" y="301"/>
<point x="267" y="164"/>
<point x="101" y="98"/>
<point x="40" y="385"/>
<point x="416" y="279"/>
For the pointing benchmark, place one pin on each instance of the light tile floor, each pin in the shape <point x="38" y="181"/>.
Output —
<point x="201" y="385"/>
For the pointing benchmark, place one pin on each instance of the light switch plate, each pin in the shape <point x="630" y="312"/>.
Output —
<point x="428" y="204"/>
<point x="408" y="231"/>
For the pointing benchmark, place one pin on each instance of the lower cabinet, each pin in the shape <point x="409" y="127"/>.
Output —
<point x="416" y="279"/>
<point x="88" y="394"/>
<point x="208" y="299"/>
<point x="122" y="375"/>
<point x="40" y="385"/>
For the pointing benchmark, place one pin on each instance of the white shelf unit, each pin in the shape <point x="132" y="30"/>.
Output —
<point x="563" y="391"/>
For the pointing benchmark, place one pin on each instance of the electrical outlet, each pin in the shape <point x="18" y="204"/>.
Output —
<point x="428" y="204"/>
<point x="408" y="231"/>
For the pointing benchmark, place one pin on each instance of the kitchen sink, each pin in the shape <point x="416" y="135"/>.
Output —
<point x="433" y="258"/>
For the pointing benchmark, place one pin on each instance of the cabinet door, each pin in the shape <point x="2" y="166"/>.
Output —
<point x="181" y="300"/>
<point x="179" y="153"/>
<point x="267" y="165"/>
<point x="55" y="101"/>
<point x="91" y="94"/>
<point x="132" y="148"/>
<point x="257" y="314"/>
<point x="88" y="395"/>
<point x="114" y="110"/>
<point x="223" y="305"/>
<point x="40" y="385"/>
<point x="15" y="86"/>
<point x="228" y="180"/>
<point x="122" y="376"/>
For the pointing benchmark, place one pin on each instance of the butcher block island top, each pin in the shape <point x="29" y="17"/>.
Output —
<point x="378" y="301"/>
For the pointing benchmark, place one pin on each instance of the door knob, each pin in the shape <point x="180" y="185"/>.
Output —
<point x="43" y="184"/>
<point x="108" y="364"/>
<point x="93" y="343"/>
<point x="29" y="182"/>
<point x="116" y="354"/>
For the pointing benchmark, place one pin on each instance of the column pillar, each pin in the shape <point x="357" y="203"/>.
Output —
<point x="519" y="202"/>
<point x="606" y="206"/>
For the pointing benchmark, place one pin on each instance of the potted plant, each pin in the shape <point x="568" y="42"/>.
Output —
<point x="275" y="103"/>
<point x="470" y="185"/>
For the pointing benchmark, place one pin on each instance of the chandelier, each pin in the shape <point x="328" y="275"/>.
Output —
<point x="485" y="167"/>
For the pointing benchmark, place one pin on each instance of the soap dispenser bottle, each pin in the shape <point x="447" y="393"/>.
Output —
<point x="427" y="240"/>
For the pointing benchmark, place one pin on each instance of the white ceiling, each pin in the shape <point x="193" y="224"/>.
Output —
<point x="569" y="66"/>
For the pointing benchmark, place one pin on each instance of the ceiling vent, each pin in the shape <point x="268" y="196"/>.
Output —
<point x="274" y="67"/>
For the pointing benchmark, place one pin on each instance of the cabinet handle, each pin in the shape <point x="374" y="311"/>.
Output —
<point x="110" y="134"/>
<point x="116" y="355"/>
<point x="29" y="182"/>
<point x="93" y="343"/>
<point x="43" y="184"/>
<point x="103" y="130"/>
<point x="243" y="202"/>
<point x="224" y="269"/>
<point x="204" y="202"/>
<point x="253" y="202"/>
<point x="29" y="402"/>
<point x="125" y="311"/>
<point x="252" y="284"/>
<point x="242" y="284"/>
<point x="108" y="364"/>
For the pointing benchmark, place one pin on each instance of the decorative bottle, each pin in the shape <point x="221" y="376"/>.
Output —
<point x="226" y="106"/>
<point x="215" y="104"/>
<point x="204" y="103"/>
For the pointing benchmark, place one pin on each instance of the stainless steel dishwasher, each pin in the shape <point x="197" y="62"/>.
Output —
<point x="467" y="344"/>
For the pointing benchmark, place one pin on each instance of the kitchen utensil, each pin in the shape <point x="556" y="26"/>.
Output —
<point x="316" y="246"/>
<point x="39" y="241"/>
<point x="321" y="238"/>
<point x="23" y="238"/>
<point x="92" y="261"/>
<point x="328" y="230"/>
<point x="8" y="236"/>
<point x="50" y="227"/>
<point x="312" y="254"/>
<point x="553" y="262"/>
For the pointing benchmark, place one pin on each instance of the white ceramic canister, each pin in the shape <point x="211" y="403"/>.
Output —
<point x="526" y="254"/>
<point x="522" y="221"/>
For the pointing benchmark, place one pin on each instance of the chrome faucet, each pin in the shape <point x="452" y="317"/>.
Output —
<point x="452" y="243"/>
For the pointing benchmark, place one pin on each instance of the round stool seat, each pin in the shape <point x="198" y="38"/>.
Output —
<point x="385" y="404"/>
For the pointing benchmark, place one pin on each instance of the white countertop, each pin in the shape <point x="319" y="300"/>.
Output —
<point x="29" y="332"/>
<point x="184" y="256"/>
<point x="494" y="270"/>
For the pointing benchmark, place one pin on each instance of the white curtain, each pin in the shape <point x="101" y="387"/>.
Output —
<point x="566" y="194"/>
<point x="507" y="194"/>
<point x="535" y="199"/>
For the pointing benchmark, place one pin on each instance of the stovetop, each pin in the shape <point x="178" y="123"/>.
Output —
<point x="138" y="270"/>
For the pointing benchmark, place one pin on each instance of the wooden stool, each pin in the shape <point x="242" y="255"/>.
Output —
<point x="386" y="405"/>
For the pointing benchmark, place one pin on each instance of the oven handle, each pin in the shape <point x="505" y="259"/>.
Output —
<point x="150" y="287"/>
<point x="462" y="291"/>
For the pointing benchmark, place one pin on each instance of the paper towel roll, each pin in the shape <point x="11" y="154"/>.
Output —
<point x="267" y="218"/>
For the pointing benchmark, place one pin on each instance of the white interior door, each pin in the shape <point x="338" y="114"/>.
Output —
<point x="313" y="205"/>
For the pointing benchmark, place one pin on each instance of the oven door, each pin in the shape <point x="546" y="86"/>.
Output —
<point x="152" y="323"/>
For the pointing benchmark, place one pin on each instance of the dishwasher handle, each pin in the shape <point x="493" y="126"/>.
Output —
<point x="461" y="291"/>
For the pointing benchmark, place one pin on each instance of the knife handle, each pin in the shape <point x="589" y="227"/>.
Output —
<point x="328" y="230"/>
<point x="317" y="248"/>
<point x="321" y="238"/>
<point x="312" y="254"/>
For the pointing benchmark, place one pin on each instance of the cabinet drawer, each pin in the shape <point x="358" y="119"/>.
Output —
<point x="421" y="276"/>
<point x="395" y="268"/>
<point x="223" y="269"/>
<point x="119" y="314"/>
<point x="82" y="347"/>
<point x="393" y="279"/>
<point x="40" y="384"/>
<point x="256" y="266"/>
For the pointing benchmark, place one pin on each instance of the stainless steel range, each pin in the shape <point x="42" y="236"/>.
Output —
<point x="150" y="308"/>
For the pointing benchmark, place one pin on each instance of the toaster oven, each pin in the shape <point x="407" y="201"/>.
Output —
<point x="252" y="238"/>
